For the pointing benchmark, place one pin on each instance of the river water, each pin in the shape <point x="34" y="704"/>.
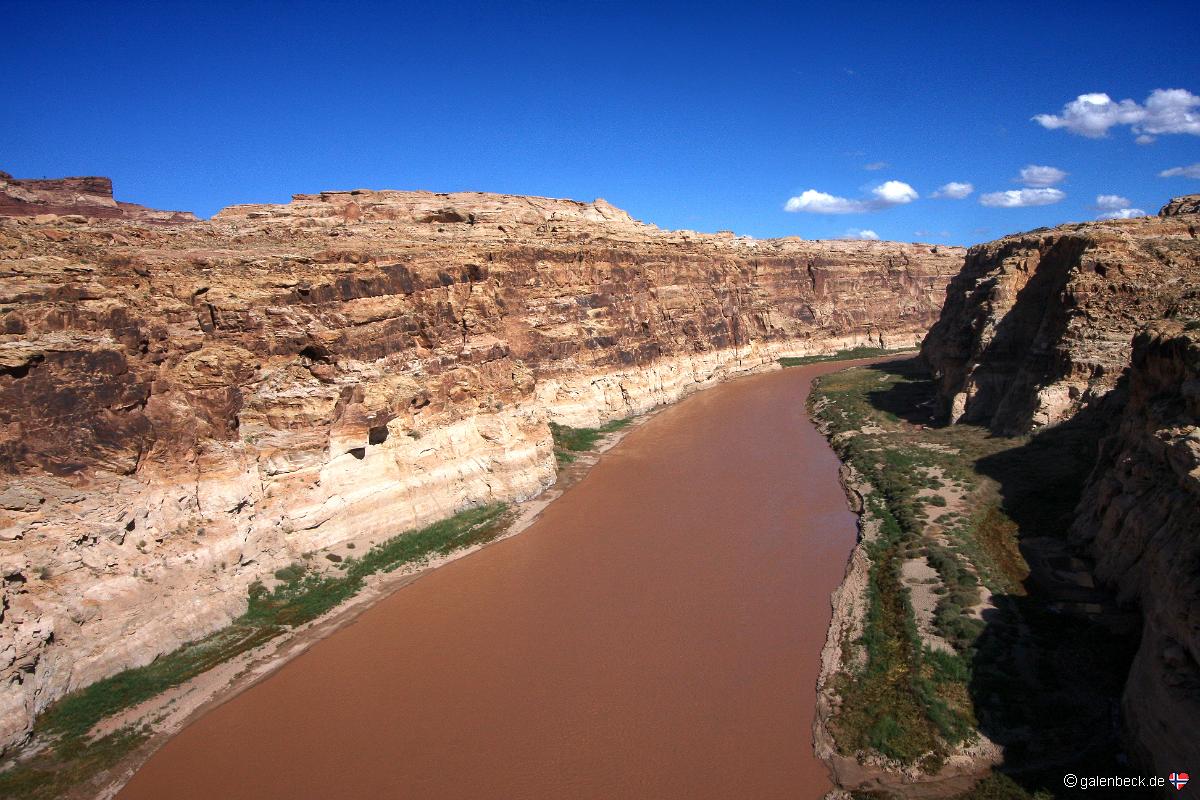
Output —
<point x="656" y="633"/>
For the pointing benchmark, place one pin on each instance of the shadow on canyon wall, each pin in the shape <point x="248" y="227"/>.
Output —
<point x="1049" y="667"/>
<point x="1018" y="354"/>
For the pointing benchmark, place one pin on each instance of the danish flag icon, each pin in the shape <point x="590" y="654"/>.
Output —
<point x="1178" y="779"/>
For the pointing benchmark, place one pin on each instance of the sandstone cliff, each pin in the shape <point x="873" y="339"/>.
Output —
<point x="1140" y="516"/>
<point x="186" y="408"/>
<point x="1040" y="323"/>
<point x="75" y="197"/>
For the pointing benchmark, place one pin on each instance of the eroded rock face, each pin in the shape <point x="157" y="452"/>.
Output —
<point x="74" y="197"/>
<point x="185" y="409"/>
<point x="1140" y="516"/>
<point x="1188" y="204"/>
<point x="1038" y="324"/>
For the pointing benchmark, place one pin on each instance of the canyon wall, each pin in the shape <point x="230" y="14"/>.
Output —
<point x="187" y="407"/>
<point x="1039" y="324"/>
<point x="1140" y="517"/>
<point x="1104" y="318"/>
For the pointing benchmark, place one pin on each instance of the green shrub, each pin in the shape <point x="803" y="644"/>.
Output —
<point x="841" y="355"/>
<point x="568" y="440"/>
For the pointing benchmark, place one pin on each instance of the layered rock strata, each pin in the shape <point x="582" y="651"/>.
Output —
<point x="1140" y="517"/>
<point x="77" y="198"/>
<point x="186" y="408"/>
<point x="1039" y="324"/>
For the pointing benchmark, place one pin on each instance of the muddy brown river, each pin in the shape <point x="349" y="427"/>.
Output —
<point x="656" y="633"/>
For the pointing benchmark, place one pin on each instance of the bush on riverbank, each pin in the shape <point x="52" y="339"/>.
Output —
<point x="896" y="705"/>
<point x="840" y="355"/>
<point x="568" y="440"/>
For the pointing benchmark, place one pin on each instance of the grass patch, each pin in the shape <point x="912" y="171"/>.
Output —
<point x="51" y="775"/>
<point x="841" y="355"/>
<point x="996" y="534"/>
<point x="300" y="596"/>
<point x="75" y="714"/>
<point x="568" y="441"/>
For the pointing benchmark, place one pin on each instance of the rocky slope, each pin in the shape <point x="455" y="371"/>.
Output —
<point x="1038" y="324"/>
<point x="186" y="408"/>
<point x="1103" y="318"/>
<point x="1140" y="516"/>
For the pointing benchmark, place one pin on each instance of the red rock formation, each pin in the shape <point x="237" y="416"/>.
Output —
<point x="1188" y="204"/>
<point x="187" y="408"/>
<point x="83" y="197"/>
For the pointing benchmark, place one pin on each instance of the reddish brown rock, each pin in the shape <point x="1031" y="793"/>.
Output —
<point x="74" y="197"/>
<point x="1188" y="204"/>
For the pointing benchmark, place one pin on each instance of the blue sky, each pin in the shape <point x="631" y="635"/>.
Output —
<point x="688" y="115"/>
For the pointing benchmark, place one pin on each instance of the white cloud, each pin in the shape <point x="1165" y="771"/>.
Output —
<point x="874" y="165"/>
<point x="1171" y="111"/>
<point x="1165" y="111"/>
<point x="954" y="190"/>
<point x="924" y="234"/>
<point x="814" y="202"/>
<point x="894" y="193"/>
<point x="1190" y="171"/>
<point x="1092" y="115"/>
<point x="864" y="234"/>
<point x="885" y="195"/>
<point x="1022" y="198"/>
<point x="1111" y="202"/>
<point x="1035" y="175"/>
<point x="1123" y="213"/>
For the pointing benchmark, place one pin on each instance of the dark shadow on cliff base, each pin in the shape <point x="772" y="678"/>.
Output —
<point x="913" y="401"/>
<point x="1050" y="664"/>
<point x="1018" y="354"/>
